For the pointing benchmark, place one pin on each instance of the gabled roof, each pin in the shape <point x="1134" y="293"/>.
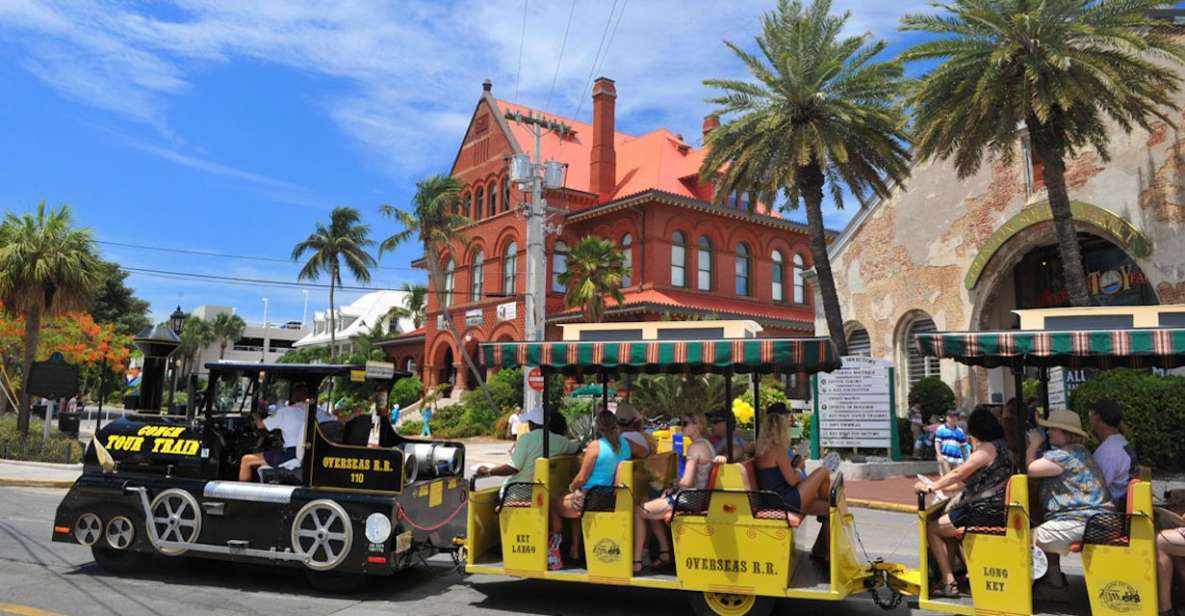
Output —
<point x="687" y="302"/>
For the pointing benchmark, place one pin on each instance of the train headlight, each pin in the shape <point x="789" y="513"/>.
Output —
<point x="378" y="528"/>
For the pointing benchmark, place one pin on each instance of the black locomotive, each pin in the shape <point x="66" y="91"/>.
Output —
<point x="171" y="485"/>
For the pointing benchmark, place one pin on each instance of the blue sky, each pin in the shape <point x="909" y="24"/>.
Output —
<point x="231" y="127"/>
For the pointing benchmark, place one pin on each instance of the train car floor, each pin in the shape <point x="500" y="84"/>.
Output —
<point x="810" y="574"/>
<point x="1079" y="606"/>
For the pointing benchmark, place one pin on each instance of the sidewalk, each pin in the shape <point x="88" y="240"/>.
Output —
<point x="38" y="474"/>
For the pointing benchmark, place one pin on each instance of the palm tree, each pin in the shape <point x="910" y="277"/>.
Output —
<point x="434" y="222"/>
<point x="342" y="243"/>
<point x="47" y="268"/>
<point x="196" y="334"/>
<point x="415" y="305"/>
<point x="227" y="329"/>
<point x="1060" y="68"/>
<point x="821" y="114"/>
<point x="595" y="268"/>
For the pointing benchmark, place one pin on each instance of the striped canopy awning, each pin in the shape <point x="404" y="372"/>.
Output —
<point x="761" y="355"/>
<point x="1115" y="348"/>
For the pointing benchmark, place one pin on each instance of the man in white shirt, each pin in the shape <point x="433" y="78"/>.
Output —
<point x="1114" y="454"/>
<point x="290" y="421"/>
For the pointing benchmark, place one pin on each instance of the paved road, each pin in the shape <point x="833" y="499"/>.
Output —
<point x="62" y="578"/>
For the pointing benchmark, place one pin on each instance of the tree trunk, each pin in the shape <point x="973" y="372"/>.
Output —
<point x="437" y="281"/>
<point x="332" y="317"/>
<point x="222" y="349"/>
<point x="1073" y="273"/>
<point x="32" y="334"/>
<point x="812" y="194"/>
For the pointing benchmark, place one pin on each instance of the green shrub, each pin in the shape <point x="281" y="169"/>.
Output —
<point x="59" y="448"/>
<point x="411" y="427"/>
<point x="935" y="396"/>
<point x="502" y="425"/>
<point x="1154" y="412"/>
<point x="571" y="408"/>
<point x="904" y="436"/>
<point x="771" y="392"/>
<point x="406" y="391"/>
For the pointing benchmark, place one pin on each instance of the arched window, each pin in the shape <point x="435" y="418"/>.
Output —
<point x="510" y="269"/>
<point x="744" y="201"/>
<point x="476" y="274"/>
<point x="559" y="265"/>
<point x="505" y="194"/>
<point x="492" y="193"/>
<point x="703" y="264"/>
<point x="627" y="252"/>
<point x="466" y="200"/>
<point x="799" y="279"/>
<point x="678" y="259"/>
<point x="478" y="200"/>
<point x="449" y="271"/>
<point x="919" y="366"/>
<point x="743" y="269"/>
<point x="777" y="286"/>
<point x="859" y="343"/>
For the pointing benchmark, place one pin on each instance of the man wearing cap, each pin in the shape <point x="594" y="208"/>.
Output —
<point x="1114" y="455"/>
<point x="1072" y="490"/>
<point x="720" y="420"/>
<point x="629" y="420"/>
<point x="529" y="449"/>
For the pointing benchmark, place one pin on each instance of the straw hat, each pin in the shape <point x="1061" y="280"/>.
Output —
<point x="1064" y="420"/>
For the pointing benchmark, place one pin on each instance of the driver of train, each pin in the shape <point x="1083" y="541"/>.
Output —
<point x="289" y="420"/>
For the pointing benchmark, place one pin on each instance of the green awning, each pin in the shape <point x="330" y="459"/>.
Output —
<point x="591" y="390"/>
<point x="761" y="355"/>
<point x="1118" y="348"/>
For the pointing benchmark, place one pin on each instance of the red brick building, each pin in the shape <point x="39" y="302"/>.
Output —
<point x="690" y="258"/>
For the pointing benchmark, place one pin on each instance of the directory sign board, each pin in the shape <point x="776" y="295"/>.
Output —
<point x="854" y="405"/>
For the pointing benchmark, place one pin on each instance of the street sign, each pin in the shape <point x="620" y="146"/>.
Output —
<point x="380" y="370"/>
<point x="854" y="405"/>
<point x="535" y="379"/>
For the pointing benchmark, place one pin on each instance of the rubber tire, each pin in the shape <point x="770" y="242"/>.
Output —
<point x="118" y="561"/>
<point x="762" y="607"/>
<point x="335" y="583"/>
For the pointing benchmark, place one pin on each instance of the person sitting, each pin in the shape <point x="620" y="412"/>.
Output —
<point x="948" y="444"/>
<point x="697" y="470"/>
<point x="776" y="473"/>
<point x="720" y="421"/>
<point x="597" y="469"/>
<point x="521" y="468"/>
<point x="290" y="421"/>
<point x="983" y="478"/>
<point x="630" y="422"/>
<point x="1114" y="455"/>
<point x="1072" y="490"/>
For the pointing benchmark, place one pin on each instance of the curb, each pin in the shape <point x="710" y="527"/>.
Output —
<point x="77" y="466"/>
<point x="882" y="505"/>
<point x="6" y="482"/>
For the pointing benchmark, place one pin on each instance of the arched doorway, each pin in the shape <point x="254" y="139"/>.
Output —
<point x="445" y="373"/>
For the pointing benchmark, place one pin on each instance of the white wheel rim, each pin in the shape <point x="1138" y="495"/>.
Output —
<point x="88" y="529"/>
<point x="176" y="517"/>
<point x="323" y="534"/>
<point x="120" y="532"/>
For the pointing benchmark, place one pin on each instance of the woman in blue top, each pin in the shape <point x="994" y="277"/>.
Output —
<point x="776" y="472"/>
<point x="597" y="469"/>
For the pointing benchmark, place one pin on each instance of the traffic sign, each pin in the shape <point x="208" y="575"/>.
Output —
<point x="535" y="379"/>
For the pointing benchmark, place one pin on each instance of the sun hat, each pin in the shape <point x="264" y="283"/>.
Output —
<point x="1064" y="420"/>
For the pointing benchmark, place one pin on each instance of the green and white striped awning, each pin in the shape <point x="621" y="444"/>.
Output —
<point x="761" y="355"/>
<point x="1116" y="348"/>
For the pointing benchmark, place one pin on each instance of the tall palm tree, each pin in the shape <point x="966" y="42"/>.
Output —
<point x="1060" y="68"/>
<point x="434" y="221"/>
<point x="415" y="305"/>
<point x="340" y="245"/>
<point x="595" y="268"/>
<point x="47" y="268"/>
<point x="820" y="114"/>
<point x="227" y="329"/>
<point x="196" y="334"/>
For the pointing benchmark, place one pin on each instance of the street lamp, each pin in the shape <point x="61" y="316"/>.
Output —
<point x="176" y="323"/>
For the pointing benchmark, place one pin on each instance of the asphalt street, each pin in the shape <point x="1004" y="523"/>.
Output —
<point x="40" y="578"/>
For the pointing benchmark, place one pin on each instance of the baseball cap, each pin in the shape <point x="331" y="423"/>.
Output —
<point x="535" y="415"/>
<point x="626" y="412"/>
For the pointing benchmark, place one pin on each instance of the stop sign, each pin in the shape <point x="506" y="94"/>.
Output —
<point x="535" y="379"/>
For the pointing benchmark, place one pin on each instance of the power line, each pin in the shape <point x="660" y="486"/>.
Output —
<point x="596" y="58"/>
<point x="560" y="58"/>
<point x="202" y="253"/>
<point x="522" y="39"/>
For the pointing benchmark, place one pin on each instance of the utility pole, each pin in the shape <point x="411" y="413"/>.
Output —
<point x="534" y="176"/>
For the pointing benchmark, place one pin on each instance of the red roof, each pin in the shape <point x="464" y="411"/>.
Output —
<point x="713" y="303"/>
<point x="410" y="336"/>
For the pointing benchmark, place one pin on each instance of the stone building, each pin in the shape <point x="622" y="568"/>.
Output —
<point x="954" y="255"/>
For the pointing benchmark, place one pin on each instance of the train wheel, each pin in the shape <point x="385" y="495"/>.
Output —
<point x="87" y="529"/>
<point x="176" y="517"/>
<point x="729" y="604"/>
<point x="323" y="534"/>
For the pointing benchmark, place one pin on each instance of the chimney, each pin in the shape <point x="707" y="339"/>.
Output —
<point x="603" y="163"/>
<point x="487" y="85"/>
<point x="710" y="122"/>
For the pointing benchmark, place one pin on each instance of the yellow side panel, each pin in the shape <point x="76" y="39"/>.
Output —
<point x="482" y="533"/>
<point x="609" y="535"/>
<point x="844" y="564"/>
<point x="730" y="551"/>
<point x="1122" y="579"/>
<point x="524" y="535"/>
<point x="732" y="477"/>
<point x="999" y="568"/>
